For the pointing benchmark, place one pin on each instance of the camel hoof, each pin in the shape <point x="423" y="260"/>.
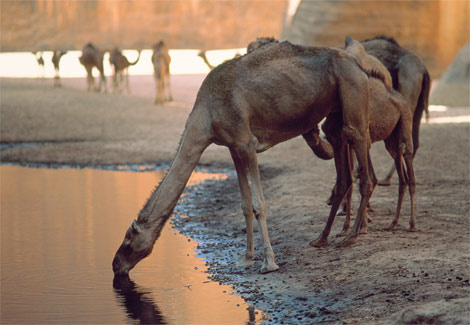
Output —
<point x="348" y="241"/>
<point x="340" y="213"/>
<point x="320" y="242"/>
<point x="343" y="233"/>
<point x="267" y="268"/>
<point x="392" y="227"/>
<point x="413" y="229"/>
<point x="384" y="182"/>
<point x="245" y="263"/>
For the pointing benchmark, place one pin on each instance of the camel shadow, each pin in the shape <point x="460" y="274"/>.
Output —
<point x="137" y="302"/>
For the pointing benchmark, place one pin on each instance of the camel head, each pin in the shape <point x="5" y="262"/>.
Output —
<point x="137" y="244"/>
<point x="355" y="49"/>
<point x="260" y="41"/>
<point x="368" y="62"/>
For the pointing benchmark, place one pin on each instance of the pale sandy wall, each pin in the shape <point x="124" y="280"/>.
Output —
<point x="69" y="24"/>
<point x="435" y="30"/>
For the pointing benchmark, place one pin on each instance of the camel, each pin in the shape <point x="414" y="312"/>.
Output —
<point x="250" y="104"/>
<point x="121" y="65"/>
<point x="390" y="121"/>
<point x="203" y="56"/>
<point x="260" y="41"/>
<point x="40" y="61"/>
<point x="91" y="58"/>
<point x="56" y="56"/>
<point x="161" y="68"/>
<point x="410" y="78"/>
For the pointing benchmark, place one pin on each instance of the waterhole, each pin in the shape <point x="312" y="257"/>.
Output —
<point x="60" y="229"/>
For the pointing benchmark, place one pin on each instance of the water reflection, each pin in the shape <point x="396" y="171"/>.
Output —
<point x="59" y="232"/>
<point x="138" y="302"/>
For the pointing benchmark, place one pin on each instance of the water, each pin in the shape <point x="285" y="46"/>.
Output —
<point x="60" y="229"/>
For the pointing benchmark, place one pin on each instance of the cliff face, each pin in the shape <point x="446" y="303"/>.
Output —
<point x="69" y="24"/>
<point x="435" y="30"/>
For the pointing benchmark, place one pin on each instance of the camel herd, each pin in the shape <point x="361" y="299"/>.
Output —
<point x="368" y="91"/>
<point x="93" y="58"/>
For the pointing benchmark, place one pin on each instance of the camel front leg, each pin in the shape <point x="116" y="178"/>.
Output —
<point x="247" y="155"/>
<point x="247" y="260"/>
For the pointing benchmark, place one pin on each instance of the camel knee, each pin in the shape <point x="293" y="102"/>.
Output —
<point x="366" y="187"/>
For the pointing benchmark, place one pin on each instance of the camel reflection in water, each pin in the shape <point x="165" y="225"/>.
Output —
<point x="138" y="303"/>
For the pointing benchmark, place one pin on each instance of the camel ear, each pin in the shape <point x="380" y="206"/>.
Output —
<point x="135" y="227"/>
<point x="348" y="41"/>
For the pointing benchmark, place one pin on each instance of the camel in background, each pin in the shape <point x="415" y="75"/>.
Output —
<point x="161" y="68"/>
<point x="56" y="56"/>
<point x="202" y="55"/>
<point x="91" y="58"/>
<point x="40" y="61"/>
<point x="120" y="65"/>
<point x="250" y="104"/>
<point x="390" y="121"/>
<point x="410" y="78"/>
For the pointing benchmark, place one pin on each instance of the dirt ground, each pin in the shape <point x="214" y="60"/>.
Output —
<point x="387" y="277"/>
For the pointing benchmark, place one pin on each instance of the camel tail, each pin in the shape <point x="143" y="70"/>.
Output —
<point x="195" y="139"/>
<point x="421" y="107"/>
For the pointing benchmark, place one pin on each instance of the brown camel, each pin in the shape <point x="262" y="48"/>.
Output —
<point x="40" y="61"/>
<point x="161" y="68"/>
<point x="410" y="78"/>
<point x="56" y="62"/>
<point x="390" y="121"/>
<point x="120" y="65"/>
<point x="249" y="104"/>
<point x="91" y="58"/>
<point x="260" y="41"/>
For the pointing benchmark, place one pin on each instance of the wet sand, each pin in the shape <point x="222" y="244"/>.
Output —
<point x="386" y="277"/>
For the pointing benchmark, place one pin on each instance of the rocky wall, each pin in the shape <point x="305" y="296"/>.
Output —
<point x="69" y="24"/>
<point x="435" y="30"/>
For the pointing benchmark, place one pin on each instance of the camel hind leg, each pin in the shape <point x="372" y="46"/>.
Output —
<point x="354" y="94"/>
<point x="412" y="190"/>
<point x="400" y="146"/>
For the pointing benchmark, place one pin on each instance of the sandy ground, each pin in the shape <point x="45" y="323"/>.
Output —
<point x="386" y="277"/>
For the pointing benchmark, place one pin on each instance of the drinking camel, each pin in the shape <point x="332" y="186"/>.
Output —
<point x="161" y="71"/>
<point x="91" y="58"/>
<point x="249" y="104"/>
